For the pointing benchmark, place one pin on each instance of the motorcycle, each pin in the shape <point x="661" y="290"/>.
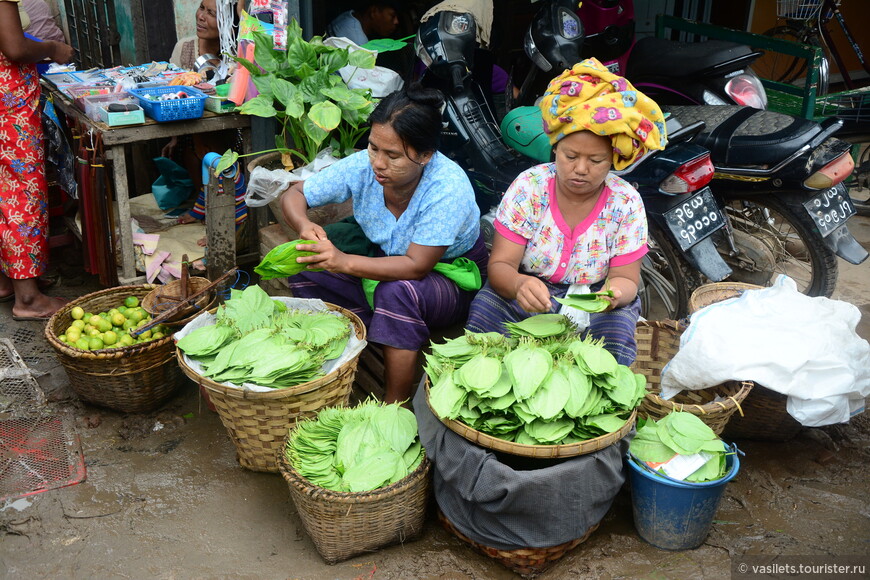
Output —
<point x="682" y="212"/>
<point x="779" y="182"/>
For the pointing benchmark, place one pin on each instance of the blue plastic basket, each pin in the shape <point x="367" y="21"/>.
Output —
<point x="174" y="109"/>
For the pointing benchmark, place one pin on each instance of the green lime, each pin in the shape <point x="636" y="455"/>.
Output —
<point x="131" y="302"/>
<point x="82" y="343"/>
<point x="77" y="313"/>
<point x="110" y="338"/>
<point x="95" y="343"/>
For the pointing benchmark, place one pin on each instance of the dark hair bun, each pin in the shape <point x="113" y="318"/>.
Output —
<point x="425" y="96"/>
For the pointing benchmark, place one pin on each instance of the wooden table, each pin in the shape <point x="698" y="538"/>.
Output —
<point x="220" y="232"/>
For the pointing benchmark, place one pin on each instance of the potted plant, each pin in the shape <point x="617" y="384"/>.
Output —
<point x="301" y="89"/>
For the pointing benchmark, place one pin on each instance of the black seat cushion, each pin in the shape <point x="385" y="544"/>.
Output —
<point x="661" y="57"/>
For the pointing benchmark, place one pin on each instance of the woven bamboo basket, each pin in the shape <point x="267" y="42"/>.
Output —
<point x="257" y="422"/>
<point x="765" y="415"/>
<point x="132" y="379"/>
<point x="165" y="296"/>
<point x="527" y="562"/>
<point x="716" y="292"/>
<point x="342" y="525"/>
<point x="657" y="343"/>
<point x="536" y="451"/>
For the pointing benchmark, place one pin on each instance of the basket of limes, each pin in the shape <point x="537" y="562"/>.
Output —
<point x="106" y="365"/>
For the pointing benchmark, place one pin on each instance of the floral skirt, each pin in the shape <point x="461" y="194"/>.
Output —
<point x="23" y="199"/>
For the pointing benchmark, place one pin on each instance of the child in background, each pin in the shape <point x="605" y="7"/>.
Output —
<point x="234" y="172"/>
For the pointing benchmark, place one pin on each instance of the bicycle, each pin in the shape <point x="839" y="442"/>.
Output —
<point x="807" y="22"/>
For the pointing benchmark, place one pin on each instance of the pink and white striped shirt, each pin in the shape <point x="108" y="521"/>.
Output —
<point x="614" y="233"/>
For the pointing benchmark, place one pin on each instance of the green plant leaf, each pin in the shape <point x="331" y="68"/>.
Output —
<point x="260" y="106"/>
<point x="226" y="160"/>
<point x="333" y="60"/>
<point x="315" y="134"/>
<point x="362" y="59"/>
<point x="264" y="85"/>
<point x="325" y="115"/>
<point x="290" y="97"/>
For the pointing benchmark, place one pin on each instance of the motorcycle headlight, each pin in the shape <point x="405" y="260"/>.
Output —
<point x="747" y="90"/>
<point x="534" y="54"/>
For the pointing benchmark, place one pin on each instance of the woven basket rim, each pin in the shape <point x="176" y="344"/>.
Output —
<point x="535" y="451"/>
<point x="104" y="353"/>
<point x="735" y="288"/>
<point x="321" y="493"/>
<point x="195" y="284"/>
<point x="278" y="392"/>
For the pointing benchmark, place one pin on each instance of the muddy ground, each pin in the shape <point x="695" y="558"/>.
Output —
<point x="165" y="498"/>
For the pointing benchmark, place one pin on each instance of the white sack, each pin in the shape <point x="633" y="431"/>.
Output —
<point x="803" y="347"/>
<point x="380" y="80"/>
<point x="266" y="185"/>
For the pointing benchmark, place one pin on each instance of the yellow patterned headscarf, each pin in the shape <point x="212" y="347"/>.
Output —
<point x="588" y="97"/>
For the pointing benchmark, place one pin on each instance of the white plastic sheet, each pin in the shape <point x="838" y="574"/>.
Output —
<point x="803" y="347"/>
<point x="266" y="185"/>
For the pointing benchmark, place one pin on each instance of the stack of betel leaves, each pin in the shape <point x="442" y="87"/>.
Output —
<point x="256" y="339"/>
<point x="356" y="449"/>
<point x="280" y="261"/>
<point x="681" y="446"/>
<point x="542" y="385"/>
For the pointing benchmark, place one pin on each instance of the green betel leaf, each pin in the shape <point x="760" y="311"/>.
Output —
<point x="325" y="115"/>
<point x="712" y="470"/>
<point x="549" y="432"/>
<point x="550" y="398"/>
<point x="373" y="471"/>
<point x="397" y="426"/>
<point x="260" y="106"/>
<point x="579" y="387"/>
<point x="206" y="340"/>
<point x="585" y="302"/>
<point x="446" y="397"/>
<point x="608" y="422"/>
<point x="479" y="374"/>
<point x="647" y="446"/>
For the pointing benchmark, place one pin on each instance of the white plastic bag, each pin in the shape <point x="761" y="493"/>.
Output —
<point x="803" y="347"/>
<point x="580" y="318"/>
<point x="265" y="185"/>
<point x="382" y="81"/>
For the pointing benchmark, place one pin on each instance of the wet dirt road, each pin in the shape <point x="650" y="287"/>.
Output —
<point x="164" y="498"/>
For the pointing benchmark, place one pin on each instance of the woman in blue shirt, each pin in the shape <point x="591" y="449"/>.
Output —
<point x="417" y="207"/>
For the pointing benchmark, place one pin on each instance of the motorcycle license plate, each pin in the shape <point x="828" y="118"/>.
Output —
<point x="694" y="219"/>
<point x="830" y="209"/>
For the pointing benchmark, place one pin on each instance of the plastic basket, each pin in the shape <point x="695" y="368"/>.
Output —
<point x="657" y="343"/>
<point x="132" y="379"/>
<point x="172" y="110"/>
<point x="797" y="9"/>
<point x="343" y="524"/>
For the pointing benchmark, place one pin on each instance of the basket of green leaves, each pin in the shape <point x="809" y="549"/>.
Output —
<point x="358" y="477"/>
<point x="541" y="392"/>
<point x="266" y="363"/>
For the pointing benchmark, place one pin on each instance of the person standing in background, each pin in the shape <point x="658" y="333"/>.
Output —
<point x="23" y="203"/>
<point x="375" y="20"/>
<point x="43" y="21"/>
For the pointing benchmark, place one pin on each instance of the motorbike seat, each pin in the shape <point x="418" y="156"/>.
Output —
<point x="661" y="57"/>
<point x="742" y="136"/>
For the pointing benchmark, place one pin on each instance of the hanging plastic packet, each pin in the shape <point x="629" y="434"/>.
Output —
<point x="260" y="6"/>
<point x="279" y="19"/>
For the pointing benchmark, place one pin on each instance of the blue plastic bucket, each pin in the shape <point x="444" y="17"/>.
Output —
<point x="672" y="514"/>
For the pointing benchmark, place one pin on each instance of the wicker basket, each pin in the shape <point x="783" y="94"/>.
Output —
<point x="716" y="292"/>
<point x="657" y="343"/>
<point x="166" y="296"/>
<point x="257" y="422"/>
<point x="536" y="451"/>
<point x="133" y="379"/>
<point x="527" y="562"/>
<point x="765" y="418"/>
<point x="342" y="525"/>
<point x="764" y="414"/>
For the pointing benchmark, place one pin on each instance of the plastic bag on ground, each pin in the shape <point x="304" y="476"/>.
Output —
<point x="800" y="346"/>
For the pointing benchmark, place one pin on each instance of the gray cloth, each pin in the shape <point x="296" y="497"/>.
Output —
<point x="505" y="508"/>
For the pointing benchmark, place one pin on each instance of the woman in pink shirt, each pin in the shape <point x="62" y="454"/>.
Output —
<point x="571" y="225"/>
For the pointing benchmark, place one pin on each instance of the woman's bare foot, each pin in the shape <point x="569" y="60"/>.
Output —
<point x="187" y="219"/>
<point x="40" y="307"/>
<point x="202" y="242"/>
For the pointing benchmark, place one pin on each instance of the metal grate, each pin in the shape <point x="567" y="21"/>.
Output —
<point x="19" y="391"/>
<point x="32" y="347"/>
<point x="93" y="32"/>
<point x="38" y="454"/>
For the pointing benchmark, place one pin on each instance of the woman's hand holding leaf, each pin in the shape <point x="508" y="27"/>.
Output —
<point x="532" y="294"/>
<point x="312" y="231"/>
<point x="327" y="257"/>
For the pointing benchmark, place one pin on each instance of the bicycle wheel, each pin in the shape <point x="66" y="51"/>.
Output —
<point x="775" y="238"/>
<point x="784" y="68"/>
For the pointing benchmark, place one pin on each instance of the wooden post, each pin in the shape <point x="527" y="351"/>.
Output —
<point x="220" y="226"/>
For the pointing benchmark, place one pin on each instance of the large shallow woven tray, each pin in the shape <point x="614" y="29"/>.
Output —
<point x="536" y="451"/>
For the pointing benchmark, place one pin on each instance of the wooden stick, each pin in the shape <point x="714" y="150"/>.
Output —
<point x="168" y="314"/>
